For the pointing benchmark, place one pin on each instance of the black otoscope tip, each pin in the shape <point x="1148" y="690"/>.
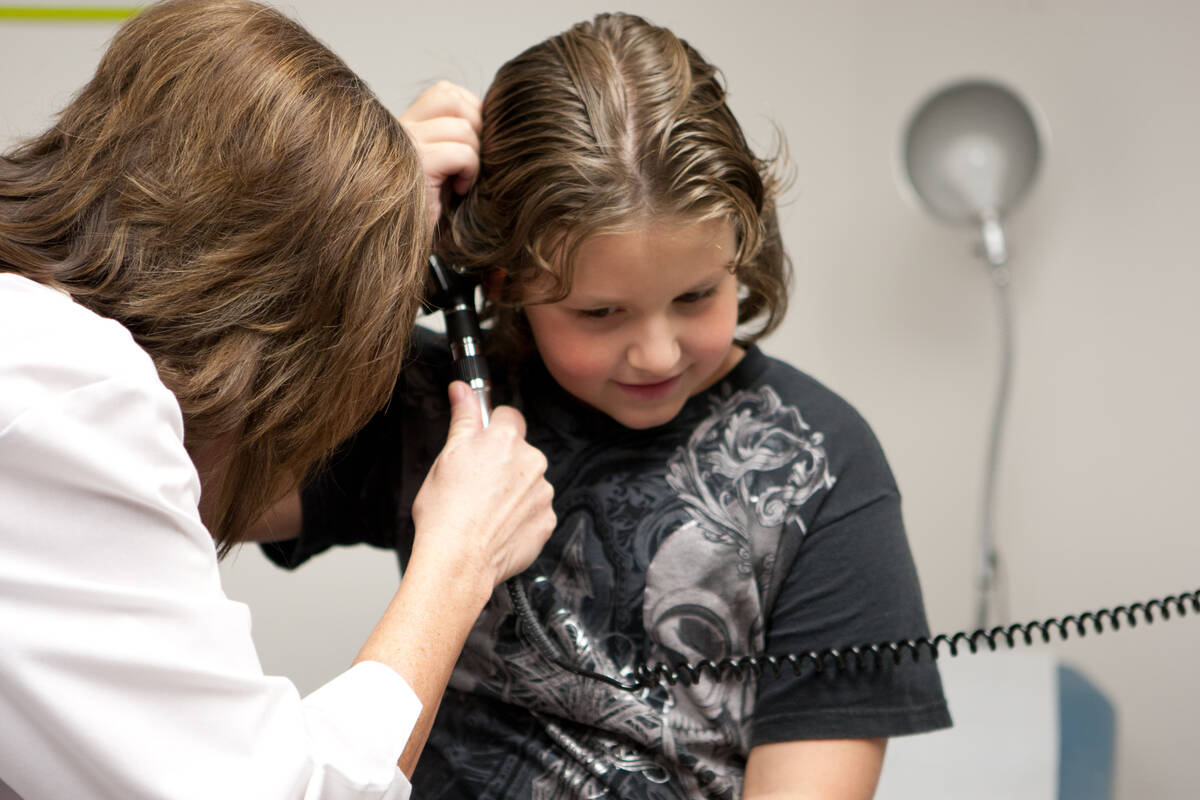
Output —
<point x="448" y="287"/>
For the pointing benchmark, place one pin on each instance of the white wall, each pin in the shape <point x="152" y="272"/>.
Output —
<point x="892" y="309"/>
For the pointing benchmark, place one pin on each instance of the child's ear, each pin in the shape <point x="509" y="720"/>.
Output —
<point x="493" y="284"/>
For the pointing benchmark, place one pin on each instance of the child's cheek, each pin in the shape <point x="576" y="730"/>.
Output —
<point x="716" y="329"/>
<point x="571" y="355"/>
<point x="585" y="356"/>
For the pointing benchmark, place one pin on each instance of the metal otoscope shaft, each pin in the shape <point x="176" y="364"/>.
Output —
<point x="454" y="294"/>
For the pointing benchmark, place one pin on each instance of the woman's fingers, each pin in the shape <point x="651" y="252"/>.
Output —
<point x="444" y="161"/>
<point x="485" y="509"/>
<point x="444" y="122"/>
<point x="445" y="99"/>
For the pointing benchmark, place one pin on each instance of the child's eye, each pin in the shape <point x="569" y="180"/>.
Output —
<point x="695" y="297"/>
<point x="597" y="313"/>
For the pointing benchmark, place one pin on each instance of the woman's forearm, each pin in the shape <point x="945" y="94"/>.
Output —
<point x="421" y="634"/>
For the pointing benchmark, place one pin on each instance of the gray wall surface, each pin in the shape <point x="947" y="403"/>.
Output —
<point x="892" y="309"/>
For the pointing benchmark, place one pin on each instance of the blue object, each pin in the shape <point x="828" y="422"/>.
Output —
<point x="1087" y="738"/>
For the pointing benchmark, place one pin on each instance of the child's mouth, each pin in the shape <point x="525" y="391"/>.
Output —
<point x="650" y="391"/>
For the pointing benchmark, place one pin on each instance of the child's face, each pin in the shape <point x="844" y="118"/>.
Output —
<point x="649" y="322"/>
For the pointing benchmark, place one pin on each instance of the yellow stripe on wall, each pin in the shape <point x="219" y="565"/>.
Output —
<point x="68" y="13"/>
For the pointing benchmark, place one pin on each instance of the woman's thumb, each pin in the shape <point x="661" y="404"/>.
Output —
<point x="465" y="416"/>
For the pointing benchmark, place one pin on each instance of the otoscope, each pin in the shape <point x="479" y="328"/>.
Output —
<point x="454" y="294"/>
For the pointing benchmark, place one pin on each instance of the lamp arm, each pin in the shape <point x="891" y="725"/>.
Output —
<point x="995" y="247"/>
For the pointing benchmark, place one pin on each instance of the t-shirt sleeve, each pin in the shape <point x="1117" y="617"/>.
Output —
<point x="852" y="582"/>
<point x="349" y="500"/>
<point x="125" y="670"/>
<point x="364" y="493"/>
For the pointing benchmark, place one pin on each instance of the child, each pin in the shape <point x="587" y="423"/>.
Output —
<point x="712" y="501"/>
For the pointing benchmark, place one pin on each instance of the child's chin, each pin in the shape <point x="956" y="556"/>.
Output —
<point x="642" y="419"/>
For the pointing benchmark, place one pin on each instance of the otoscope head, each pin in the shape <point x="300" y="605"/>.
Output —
<point x="448" y="287"/>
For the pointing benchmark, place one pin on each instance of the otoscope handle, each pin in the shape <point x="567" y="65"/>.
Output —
<point x="454" y="294"/>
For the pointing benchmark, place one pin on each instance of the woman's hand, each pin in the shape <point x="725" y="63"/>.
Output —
<point x="484" y="511"/>
<point x="481" y="516"/>
<point x="445" y="121"/>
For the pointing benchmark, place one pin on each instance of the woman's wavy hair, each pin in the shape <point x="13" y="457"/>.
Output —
<point x="231" y="192"/>
<point x="612" y="124"/>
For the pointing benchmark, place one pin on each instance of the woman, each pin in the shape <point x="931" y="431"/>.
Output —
<point x="209" y="267"/>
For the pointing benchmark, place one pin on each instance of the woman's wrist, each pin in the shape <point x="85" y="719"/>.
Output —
<point x="461" y="576"/>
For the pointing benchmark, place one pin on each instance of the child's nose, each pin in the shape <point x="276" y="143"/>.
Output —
<point x="655" y="349"/>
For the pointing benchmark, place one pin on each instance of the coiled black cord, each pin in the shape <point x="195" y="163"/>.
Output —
<point x="453" y="292"/>
<point x="546" y="647"/>
<point x="859" y="657"/>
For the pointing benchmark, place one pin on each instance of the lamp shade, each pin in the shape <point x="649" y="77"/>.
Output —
<point x="971" y="151"/>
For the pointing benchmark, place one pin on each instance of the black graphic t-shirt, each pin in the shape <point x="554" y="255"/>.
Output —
<point x="762" y="519"/>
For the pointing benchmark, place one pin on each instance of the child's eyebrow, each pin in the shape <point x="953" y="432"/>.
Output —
<point x="594" y="300"/>
<point x="715" y="276"/>
<point x="599" y="299"/>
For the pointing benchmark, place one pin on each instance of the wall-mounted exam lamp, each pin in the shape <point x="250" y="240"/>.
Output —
<point x="971" y="151"/>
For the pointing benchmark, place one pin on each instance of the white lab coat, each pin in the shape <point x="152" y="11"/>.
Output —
<point x="125" y="671"/>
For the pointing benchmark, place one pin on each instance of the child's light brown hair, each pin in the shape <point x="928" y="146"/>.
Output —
<point x="231" y="192"/>
<point x="608" y="126"/>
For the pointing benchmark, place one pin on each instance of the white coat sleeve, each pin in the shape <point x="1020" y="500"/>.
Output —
<point x="125" y="672"/>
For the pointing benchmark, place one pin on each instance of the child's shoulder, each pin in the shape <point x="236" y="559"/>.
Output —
<point x="781" y="388"/>
<point x="758" y="370"/>
<point x="426" y="371"/>
<point x="427" y="348"/>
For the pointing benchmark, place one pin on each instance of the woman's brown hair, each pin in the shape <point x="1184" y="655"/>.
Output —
<point x="612" y="124"/>
<point x="231" y="192"/>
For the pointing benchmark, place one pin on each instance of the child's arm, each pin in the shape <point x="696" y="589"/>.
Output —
<point x="281" y="522"/>
<point x="823" y="769"/>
